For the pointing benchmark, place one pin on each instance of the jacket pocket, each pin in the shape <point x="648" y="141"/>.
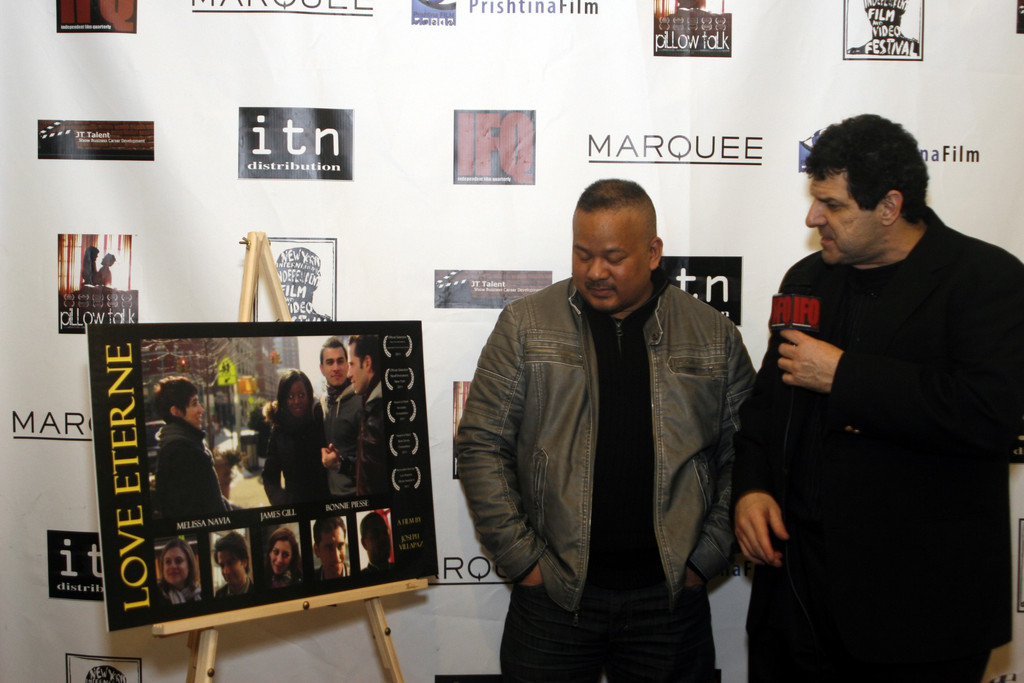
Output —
<point x="703" y="473"/>
<point x="539" y="478"/>
<point x="549" y="350"/>
<point x="696" y="365"/>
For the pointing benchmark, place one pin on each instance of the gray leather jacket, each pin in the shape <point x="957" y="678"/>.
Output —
<point x="527" y="437"/>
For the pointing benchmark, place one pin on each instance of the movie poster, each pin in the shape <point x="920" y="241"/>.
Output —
<point x="308" y="270"/>
<point x="692" y="28"/>
<point x="213" y="497"/>
<point x="460" y="392"/>
<point x="94" y="282"/>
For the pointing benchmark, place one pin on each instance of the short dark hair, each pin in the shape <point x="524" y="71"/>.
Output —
<point x="612" y="194"/>
<point x="332" y="343"/>
<point x="364" y="345"/>
<point x="232" y="542"/>
<point x="877" y="155"/>
<point x="373" y="523"/>
<point x="174" y="391"/>
<point x="326" y="525"/>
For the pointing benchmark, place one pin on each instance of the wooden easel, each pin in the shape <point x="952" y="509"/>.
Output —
<point x="202" y="631"/>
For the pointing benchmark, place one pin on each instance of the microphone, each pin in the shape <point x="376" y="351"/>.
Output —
<point x="795" y="311"/>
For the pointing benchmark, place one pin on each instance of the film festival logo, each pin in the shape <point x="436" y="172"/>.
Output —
<point x="884" y="29"/>
<point x="91" y="669"/>
<point x="433" y="12"/>
<point x="343" y="8"/>
<point x="299" y="270"/>
<point x="495" y="147"/>
<point x="688" y="28"/>
<point x="96" y="16"/>
<point x="295" y="143"/>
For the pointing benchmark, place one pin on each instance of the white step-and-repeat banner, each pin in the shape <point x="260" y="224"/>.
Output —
<point x="418" y="160"/>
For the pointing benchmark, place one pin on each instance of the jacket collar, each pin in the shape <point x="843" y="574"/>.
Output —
<point x="916" y="278"/>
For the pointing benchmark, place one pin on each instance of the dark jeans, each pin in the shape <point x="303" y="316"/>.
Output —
<point x="630" y="634"/>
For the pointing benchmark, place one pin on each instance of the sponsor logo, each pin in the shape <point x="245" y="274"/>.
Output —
<point x="675" y="148"/>
<point x="946" y="154"/>
<point x="298" y="143"/>
<point x="96" y="16"/>
<point x="495" y="147"/>
<point x="51" y="426"/>
<point x="533" y="7"/>
<point x="342" y="8"/>
<point x="76" y="572"/>
<point x="433" y="12"/>
<point x="473" y="570"/>
<point x="805" y="149"/>
<point x="90" y="669"/>
<point x="117" y="140"/>
<point x="952" y="154"/>
<point x="687" y="29"/>
<point x="883" y="29"/>
<point x="715" y="280"/>
<point x="485" y="288"/>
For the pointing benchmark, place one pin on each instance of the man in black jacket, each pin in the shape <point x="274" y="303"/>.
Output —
<point x="871" y="473"/>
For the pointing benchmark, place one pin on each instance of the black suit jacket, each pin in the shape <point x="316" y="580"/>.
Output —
<point x="925" y="408"/>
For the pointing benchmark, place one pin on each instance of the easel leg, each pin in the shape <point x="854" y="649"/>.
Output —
<point x="382" y="636"/>
<point x="203" y="653"/>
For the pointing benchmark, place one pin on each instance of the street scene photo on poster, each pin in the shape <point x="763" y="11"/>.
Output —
<point x="250" y="463"/>
<point x="94" y="284"/>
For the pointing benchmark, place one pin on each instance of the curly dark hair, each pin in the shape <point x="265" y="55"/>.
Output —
<point x="877" y="155"/>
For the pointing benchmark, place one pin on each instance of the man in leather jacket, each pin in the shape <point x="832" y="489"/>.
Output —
<point x="595" y="451"/>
